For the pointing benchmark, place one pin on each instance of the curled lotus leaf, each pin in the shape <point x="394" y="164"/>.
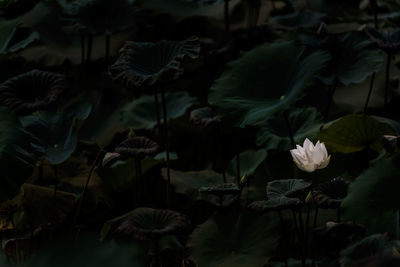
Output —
<point x="32" y="91"/>
<point x="151" y="224"/>
<point x="390" y="143"/>
<point x="204" y="116"/>
<point x="146" y="63"/>
<point x="275" y="204"/>
<point x="387" y="41"/>
<point x="329" y="195"/>
<point x="138" y="147"/>
<point x="220" y="190"/>
<point x="292" y="188"/>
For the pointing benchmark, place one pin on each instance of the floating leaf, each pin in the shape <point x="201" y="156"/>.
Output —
<point x="55" y="134"/>
<point x="353" y="133"/>
<point x="137" y="147"/>
<point x="16" y="161"/>
<point x="141" y="113"/>
<point x="146" y="63"/>
<point x="249" y="161"/>
<point x="304" y="123"/>
<point x="265" y="80"/>
<point x="234" y="240"/>
<point x="373" y="195"/>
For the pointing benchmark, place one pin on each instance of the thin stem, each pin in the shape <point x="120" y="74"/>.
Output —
<point x="56" y="180"/>
<point x="238" y="168"/>
<point x="156" y="104"/>
<point x="284" y="237"/>
<point x="303" y="258"/>
<point x="307" y="232"/>
<point x="138" y="181"/>
<point x="164" y="105"/>
<point x="108" y="39"/>
<point x="89" y="48"/>
<point x="338" y="215"/>
<point x="226" y="15"/>
<point x="376" y="18"/>
<point x="296" y="228"/>
<point x="315" y="216"/>
<point x="85" y="188"/>
<point x="289" y="128"/>
<point x="397" y="224"/>
<point x="332" y="93"/>
<point x="82" y="47"/>
<point x="40" y="171"/>
<point x="371" y="86"/>
<point x="389" y="61"/>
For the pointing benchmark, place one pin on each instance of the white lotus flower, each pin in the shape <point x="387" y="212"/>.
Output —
<point x="309" y="157"/>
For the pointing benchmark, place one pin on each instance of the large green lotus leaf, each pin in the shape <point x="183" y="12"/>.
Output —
<point x="274" y="133"/>
<point x="13" y="38"/>
<point x="265" y="80"/>
<point x="374" y="194"/>
<point x="354" y="57"/>
<point x="189" y="183"/>
<point x="55" y="133"/>
<point x="353" y="133"/>
<point x="299" y="19"/>
<point x="141" y="113"/>
<point x="340" y="8"/>
<point x="229" y="240"/>
<point x="374" y="250"/>
<point x="249" y="161"/>
<point x="16" y="161"/>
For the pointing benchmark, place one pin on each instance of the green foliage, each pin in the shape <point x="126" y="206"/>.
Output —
<point x="353" y="133"/>
<point x="141" y="113"/>
<point x="16" y="159"/>
<point x="249" y="161"/>
<point x="235" y="240"/>
<point x="13" y="38"/>
<point x="265" y="80"/>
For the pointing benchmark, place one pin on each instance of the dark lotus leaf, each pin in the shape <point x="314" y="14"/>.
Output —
<point x="275" y="204"/>
<point x="329" y="195"/>
<point x="390" y="143"/>
<point x="354" y="132"/>
<point x="304" y="123"/>
<point x="150" y="224"/>
<point x="32" y="91"/>
<point x="353" y="57"/>
<point x="146" y="63"/>
<point x="204" y="116"/>
<point x="337" y="237"/>
<point x="102" y="16"/>
<point x="387" y="41"/>
<point x="299" y="19"/>
<point x="13" y="37"/>
<point x="220" y="190"/>
<point x="291" y="188"/>
<point x="265" y="80"/>
<point x="138" y="147"/>
<point x="374" y="250"/>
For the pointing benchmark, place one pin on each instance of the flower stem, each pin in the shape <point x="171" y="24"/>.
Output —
<point x="82" y="47"/>
<point x="156" y="104"/>
<point x="338" y="215"/>
<point x="315" y="216"/>
<point x="238" y="168"/>
<point x="89" y="48"/>
<point x="108" y="41"/>
<point x="387" y="79"/>
<point x="226" y="15"/>
<point x="85" y="188"/>
<point x="164" y="105"/>
<point x="371" y="86"/>
<point x="296" y="228"/>
<point x="56" y="180"/>
<point x="138" y="181"/>
<point x="331" y="94"/>
<point x="284" y="237"/>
